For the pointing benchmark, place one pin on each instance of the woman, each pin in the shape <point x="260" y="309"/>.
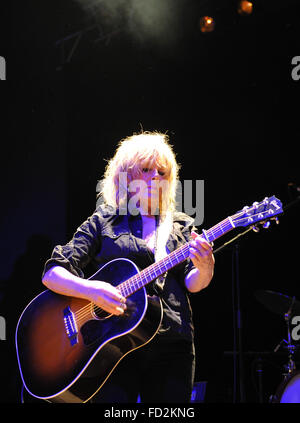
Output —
<point x="138" y="221"/>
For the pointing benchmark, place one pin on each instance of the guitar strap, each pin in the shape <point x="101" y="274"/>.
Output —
<point x="159" y="283"/>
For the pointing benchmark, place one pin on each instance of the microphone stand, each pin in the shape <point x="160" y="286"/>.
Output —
<point x="237" y="316"/>
<point x="239" y="321"/>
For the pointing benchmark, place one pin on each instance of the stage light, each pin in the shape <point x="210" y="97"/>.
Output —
<point x="245" y="7"/>
<point x="207" y="24"/>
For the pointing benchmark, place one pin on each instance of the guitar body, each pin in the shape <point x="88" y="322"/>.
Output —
<point x="67" y="349"/>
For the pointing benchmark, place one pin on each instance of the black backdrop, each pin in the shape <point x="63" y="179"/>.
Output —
<point x="229" y="104"/>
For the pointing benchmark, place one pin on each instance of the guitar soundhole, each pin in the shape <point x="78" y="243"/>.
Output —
<point x="100" y="314"/>
<point x="94" y="330"/>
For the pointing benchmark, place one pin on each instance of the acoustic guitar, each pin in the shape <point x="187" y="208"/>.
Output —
<point x="68" y="347"/>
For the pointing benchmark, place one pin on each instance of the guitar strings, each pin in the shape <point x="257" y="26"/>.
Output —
<point x="87" y="310"/>
<point x="124" y="286"/>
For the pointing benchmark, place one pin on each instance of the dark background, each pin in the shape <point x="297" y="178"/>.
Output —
<point x="231" y="109"/>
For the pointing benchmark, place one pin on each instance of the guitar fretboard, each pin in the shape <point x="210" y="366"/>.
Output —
<point x="177" y="256"/>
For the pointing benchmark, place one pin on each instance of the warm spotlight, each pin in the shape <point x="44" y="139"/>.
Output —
<point x="207" y="24"/>
<point x="245" y="7"/>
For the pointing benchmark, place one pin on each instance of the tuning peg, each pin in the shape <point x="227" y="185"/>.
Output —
<point x="267" y="224"/>
<point x="255" y="228"/>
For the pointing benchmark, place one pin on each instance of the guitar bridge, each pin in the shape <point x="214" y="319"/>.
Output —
<point x="70" y="326"/>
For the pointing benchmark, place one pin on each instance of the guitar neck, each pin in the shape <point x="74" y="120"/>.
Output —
<point x="177" y="256"/>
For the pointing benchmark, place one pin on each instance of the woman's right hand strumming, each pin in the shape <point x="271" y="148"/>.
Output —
<point x="102" y="294"/>
<point x="106" y="296"/>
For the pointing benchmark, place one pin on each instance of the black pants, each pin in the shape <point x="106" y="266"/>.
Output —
<point x="160" y="372"/>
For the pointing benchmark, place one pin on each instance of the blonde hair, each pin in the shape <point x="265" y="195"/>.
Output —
<point x="133" y="153"/>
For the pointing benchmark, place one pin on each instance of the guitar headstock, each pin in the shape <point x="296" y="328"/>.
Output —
<point x="267" y="209"/>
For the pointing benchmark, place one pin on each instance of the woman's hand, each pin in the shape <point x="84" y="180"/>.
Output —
<point x="201" y="254"/>
<point x="107" y="297"/>
<point x="102" y="294"/>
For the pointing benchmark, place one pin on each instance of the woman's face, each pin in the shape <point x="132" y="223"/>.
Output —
<point x="150" y="187"/>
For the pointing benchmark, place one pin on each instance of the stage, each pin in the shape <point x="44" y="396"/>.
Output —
<point x="79" y="79"/>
